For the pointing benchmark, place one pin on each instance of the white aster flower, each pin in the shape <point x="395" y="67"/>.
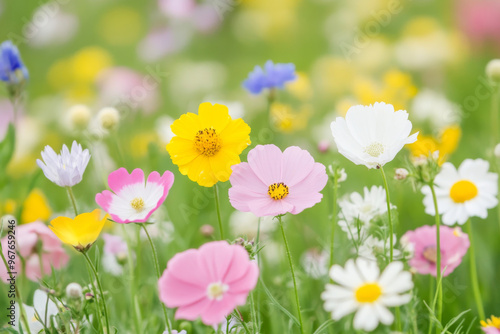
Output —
<point x="435" y="108"/>
<point x="67" y="168"/>
<point x="362" y="289"/>
<point x="42" y="311"/>
<point x="372" y="135"/>
<point x="357" y="211"/>
<point x="315" y="263"/>
<point x="467" y="192"/>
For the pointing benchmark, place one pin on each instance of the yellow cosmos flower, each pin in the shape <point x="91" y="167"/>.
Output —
<point x="287" y="120"/>
<point x="206" y="145"/>
<point x="446" y="144"/>
<point x="80" y="232"/>
<point x="35" y="207"/>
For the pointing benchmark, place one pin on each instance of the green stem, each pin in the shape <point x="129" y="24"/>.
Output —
<point x="334" y="217"/>
<point x="18" y="294"/>
<point x="389" y="215"/>
<point x="293" y="274"/>
<point x="217" y="206"/>
<point x="158" y="274"/>
<point x="494" y="114"/>
<point x="137" y="317"/>
<point x="72" y="199"/>
<point x="431" y="302"/>
<point x="473" y="274"/>
<point x="94" y="291"/>
<point x="438" y="256"/>
<point x="91" y="265"/>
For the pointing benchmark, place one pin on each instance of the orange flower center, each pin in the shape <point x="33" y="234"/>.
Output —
<point x="278" y="191"/>
<point x="463" y="191"/>
<point x="207" y="142"/>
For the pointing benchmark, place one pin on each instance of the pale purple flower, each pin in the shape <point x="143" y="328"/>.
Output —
<point x="114" y="244"/>
<point x="65" y="169"/>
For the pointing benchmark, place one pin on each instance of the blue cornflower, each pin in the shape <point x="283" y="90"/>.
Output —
<point x="12" y="69"/>
<point x="271" y="76"/>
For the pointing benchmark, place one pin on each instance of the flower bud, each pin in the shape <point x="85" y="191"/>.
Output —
<point x="493" y="70"/>
<point x="401" y="174"/>
<point x="74" y="291"/>
<point x="207" y="230"/>
<point x="108" y="118"/>
<point x="497" y="151"/>
<point x="342" y="176"/>
<point x="79" y="116"/>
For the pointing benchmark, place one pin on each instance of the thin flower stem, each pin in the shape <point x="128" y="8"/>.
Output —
<point x="18" y="294"/>
<point x="158" y="274"/>
<point x="473" y="274"/>
<point x="137" y="317"/>
<point x="389" y="215"/>
<point x="257" y="242"/>
<point x="494" y="114"/>
<point x="438" y="256"/>
<point x="293" y="275"/>
<point x="217" y="206"/>
<point x="334" y="217"/>
<point x="91" y="265"/>
<point x="72" y="199"/>
<point x="94" y="290"/>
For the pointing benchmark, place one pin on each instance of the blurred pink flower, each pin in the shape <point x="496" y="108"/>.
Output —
<point x="272" y="182"/>
<point x="134" y="200"/>
<point x="28" y="237"/>
<point x="115" y="245"/>
<point x="480" y="21"/>
<point x="161" y="42"/>
<point x="206" y="18"/>
<point x="209" y="282"/>
<point x="454" y="245"/>
<point x="122" y="86"/>
<point x="178" y="9"/>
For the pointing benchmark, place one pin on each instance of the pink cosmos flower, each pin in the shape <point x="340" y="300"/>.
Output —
<point x="28" y="237"/>
<point x="115" y="245"/>
<point x="479" y="21"/>
<point x="272" y="182"/>
<point x="134" y="200"/>
<point x="454" y="245"/>
<point x="209" y="282"/>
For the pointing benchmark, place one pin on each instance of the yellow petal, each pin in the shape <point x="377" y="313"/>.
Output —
<point x="200" y="171"/>
<point x="186" y="126"/>
<point x="181" y="151"/>
<point x="214" y="116"/>
<point x="236" y="136"/>
<point x="63" y="229"/>
<point x="221" y="164"/>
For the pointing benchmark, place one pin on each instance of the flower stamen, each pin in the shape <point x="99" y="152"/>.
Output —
<point x="215" y="291"/>
<point x="278" y="191"/>
<point x="463" y="191"/>
<point x="374" y="149"/>
<point x="207" y="142"/>
<point x="138" y="204"/>
<point x="368" y="293"/>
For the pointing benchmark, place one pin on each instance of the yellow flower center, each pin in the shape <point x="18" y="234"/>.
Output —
<point x="493" y="322"/>
<point x="430" y="254"/>
<point x="368" y="293"/>
<point x="463" y="191"/>
<point x="138" y="204"/>
<point x="216" y="290"/>
<point x="374" y="149"/>
<point x="207" y="142"/>
<point x="278" y="191"/>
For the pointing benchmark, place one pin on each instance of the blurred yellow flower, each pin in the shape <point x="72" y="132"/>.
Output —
<point x="139" y="144"/>
<point x="121" y="26"/>
<point x="206" y="145"/>
<point x="446" y="144"/>
<point x="300" y="87"/>
<point x="80" y="232"/>
<point x="87" y="63"/>
<point x="286" y="120"/>
<point x="35" y="207"/>
<point x="333" y="76"/>
<point x="9" y="207"/>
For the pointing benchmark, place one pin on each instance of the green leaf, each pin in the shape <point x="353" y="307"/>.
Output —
<point x="324" y="326"/>
<point x="278" y="305"/>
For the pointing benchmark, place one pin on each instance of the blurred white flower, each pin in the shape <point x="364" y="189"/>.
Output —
<point x="236" y="109"/>
<point x="372" y="135"/>
<point x="50" y="25"/>
<point x="315" y="263"/>
<point x="372" y="246"/>
<point x="493" y="70"/>
<point x="110" y="264"/>
<point x="79" y="116"/>
<point x="435" y="108"/>
<point x="163" y="129"/>
<point x="67" y="168"/>
<point x="102" y="162"/>
<point x="401" y="173"/>
<point x="497" y="151"/>
<point x="108" y="118"/>
<point x="39" y="315"/>
<point x="363" y="289"/>
<point x="74" y="290"/>
<point x="246" y="224"/>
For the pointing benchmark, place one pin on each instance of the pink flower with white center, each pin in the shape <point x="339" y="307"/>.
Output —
<point x="273" y="183"/>
<point x="454" y="245"/>
<point x="34" y="239"/>
<point x="134" y="200"/>
<point x="209" y="282"/>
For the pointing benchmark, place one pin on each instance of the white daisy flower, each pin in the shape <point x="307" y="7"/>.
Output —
<point x="373" y="246"/>
<point x="362" y="289"/>
<point x="39" y="315"/>
<point x="467" y="192"/>
<point x="357" y="211"/>
<point x="372" y="135"/>
<point x="315" y="263"/>
<point x="65" y="169"/>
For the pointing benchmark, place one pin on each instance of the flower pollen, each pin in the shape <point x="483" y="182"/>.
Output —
<point x="278" y="191"/>
<point x="463" y="191"/>
<point x="430" y="254"/>
<point x="207" y="142"/>
<point x="368" y="293"/>
<point x="138" y="204"/>
<point x="215" y="291"/>
<point x="374" y="149"/>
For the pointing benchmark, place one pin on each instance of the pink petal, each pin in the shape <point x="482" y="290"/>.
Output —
<point x="265" y="160"/>
<point x="296" y="165"/>
<point x="216" y="259"/>
<point x="174" y="292"/>
<point x="247" y="282"/>
<point x="120" y="178"/>
<point x="194" y="310"/>
<point x="306" y="193"/>
<point x="185" y="267"/>
<point x="243" y="177"/>
<point x="269" y="207"/>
